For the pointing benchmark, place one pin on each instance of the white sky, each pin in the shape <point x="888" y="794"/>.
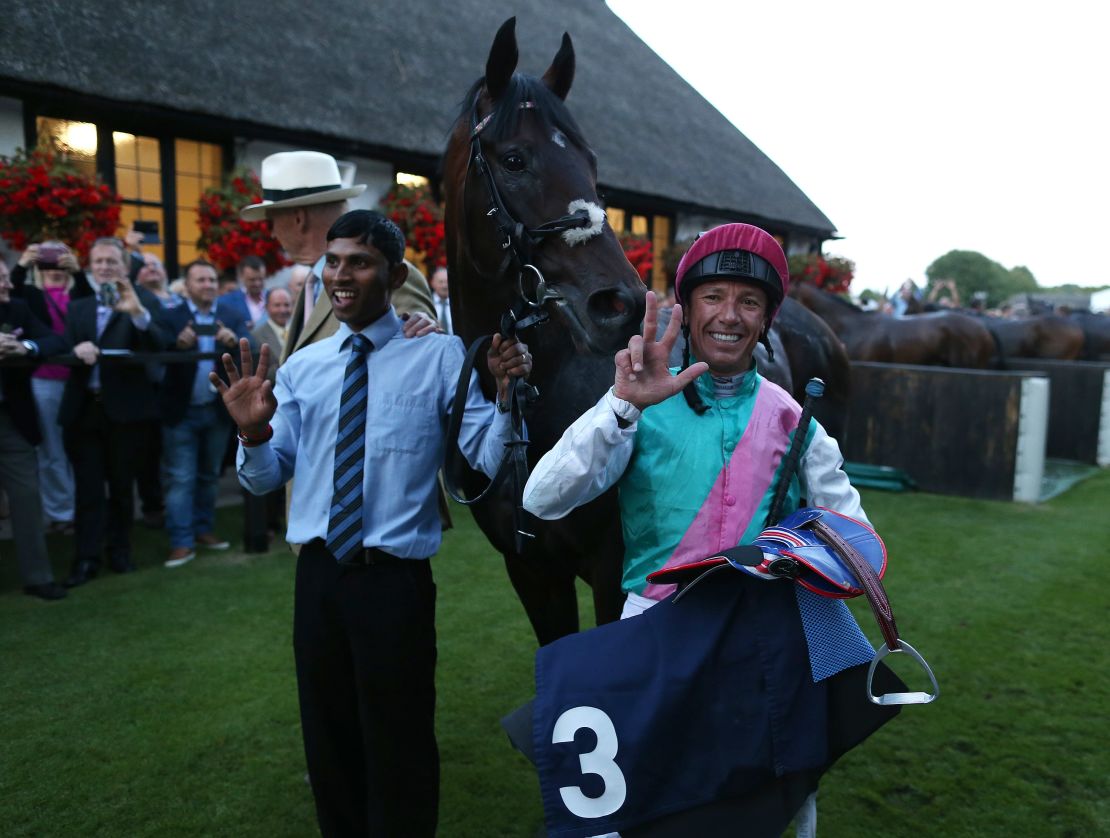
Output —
<point x="917" y="128"/>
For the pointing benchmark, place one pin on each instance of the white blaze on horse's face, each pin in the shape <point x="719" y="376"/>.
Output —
<point x="580" y="235"/>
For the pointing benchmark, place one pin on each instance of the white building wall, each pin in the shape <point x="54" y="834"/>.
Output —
<point x="688" y="225"/>
<point x="11" y="125"/>
<point x="11" y="138"/>
<point x="1100" y="301"/>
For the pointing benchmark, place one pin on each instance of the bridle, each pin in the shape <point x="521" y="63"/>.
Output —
<point x="517" y="244"/>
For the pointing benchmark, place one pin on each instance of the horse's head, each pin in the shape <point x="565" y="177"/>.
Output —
<point x="523" y="218"/>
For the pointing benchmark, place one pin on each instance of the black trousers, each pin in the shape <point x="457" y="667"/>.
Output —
<point x="365" y="647"/>
<point x="148" y="476"/>
<point x="100" y="451"/>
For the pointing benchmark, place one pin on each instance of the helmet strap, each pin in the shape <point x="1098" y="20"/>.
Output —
<point x="690" y="391"/>
<point x="765" y="339"/>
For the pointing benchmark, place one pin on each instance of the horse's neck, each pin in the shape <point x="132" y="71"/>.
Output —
<point x="569" y="385"/>
<point x="832" y="312"/>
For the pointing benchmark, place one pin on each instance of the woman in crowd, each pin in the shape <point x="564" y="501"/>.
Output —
<point x="50" y="267"/>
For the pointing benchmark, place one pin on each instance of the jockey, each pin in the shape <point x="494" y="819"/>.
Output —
<point x="695" y="454"/>
<point x="697" y="473"/>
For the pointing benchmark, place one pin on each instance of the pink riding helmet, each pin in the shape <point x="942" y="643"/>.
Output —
<point x="735" y="251"/>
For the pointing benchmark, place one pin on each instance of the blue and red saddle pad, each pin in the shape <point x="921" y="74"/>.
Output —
<point x="697" y="717"/>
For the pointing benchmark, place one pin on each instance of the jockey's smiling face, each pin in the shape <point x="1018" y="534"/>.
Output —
<point x="726" y="318"/>
<point x="359" y="281"/>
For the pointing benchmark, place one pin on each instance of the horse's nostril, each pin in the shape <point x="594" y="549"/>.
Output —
<point x="613" y="306"/>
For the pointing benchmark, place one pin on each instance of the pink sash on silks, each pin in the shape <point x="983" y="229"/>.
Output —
<point x="741" y="485"/>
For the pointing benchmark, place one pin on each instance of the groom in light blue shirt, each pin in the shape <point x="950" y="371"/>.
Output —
<point x="359" y="420"/>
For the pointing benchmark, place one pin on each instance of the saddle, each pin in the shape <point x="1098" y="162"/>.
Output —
<point x="831" y="555"/>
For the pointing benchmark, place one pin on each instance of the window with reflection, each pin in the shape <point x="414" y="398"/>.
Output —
<point x="656" y="228"/>
<point x="76" y="139"/>
<point x="139" y="182"/>
<point x="159" y="179"/>
<point x="198" y="166"/>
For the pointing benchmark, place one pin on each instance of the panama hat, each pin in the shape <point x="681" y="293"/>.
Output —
<point x="299" y="179"/>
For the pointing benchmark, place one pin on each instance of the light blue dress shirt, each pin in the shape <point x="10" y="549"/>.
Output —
<point x="203" y="391"/>
<point x="412" y="386"/>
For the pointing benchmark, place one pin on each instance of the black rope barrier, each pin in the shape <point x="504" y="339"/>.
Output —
<point x="116" y="356"/>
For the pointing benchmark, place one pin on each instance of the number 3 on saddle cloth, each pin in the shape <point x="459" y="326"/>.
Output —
<point x="705" y="714"/>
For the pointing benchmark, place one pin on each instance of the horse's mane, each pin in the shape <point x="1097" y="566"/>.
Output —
<point x="836" y="298"/>
<point x="507" y="113"/>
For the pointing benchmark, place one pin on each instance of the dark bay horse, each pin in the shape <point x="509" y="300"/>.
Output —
<point x="1047" y="336"/>
<point x="516" y="165"/>
<point x="540" y="163"/>
<point x="1096" y="334"/>
<point x="946" y="339"/>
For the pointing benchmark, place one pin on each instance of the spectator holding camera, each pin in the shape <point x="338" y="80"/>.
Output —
<point x="24" y="336"/>
<point x="196" y="427"/>
<point x="52" y="268"/>
<point x="105" y="406"/>
<point x="25" y="287"/>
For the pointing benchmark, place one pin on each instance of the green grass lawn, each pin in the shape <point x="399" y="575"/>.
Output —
<point x="164" y="702"/>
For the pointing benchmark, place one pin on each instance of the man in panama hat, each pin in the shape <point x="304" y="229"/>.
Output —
<point x="302" y="195"/>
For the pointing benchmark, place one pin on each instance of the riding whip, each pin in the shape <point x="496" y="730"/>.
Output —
<point x="815" y="388"/>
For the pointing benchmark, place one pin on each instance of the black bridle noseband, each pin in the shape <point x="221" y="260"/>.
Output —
<point x="517" y="243"/>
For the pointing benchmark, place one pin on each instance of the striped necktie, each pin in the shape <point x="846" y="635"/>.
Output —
<point x="345" y="518"/>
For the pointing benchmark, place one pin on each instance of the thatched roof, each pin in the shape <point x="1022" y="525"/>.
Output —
<point x="386" y="76"/>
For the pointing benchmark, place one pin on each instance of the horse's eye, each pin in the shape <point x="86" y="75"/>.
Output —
<point x="513" y="161"/>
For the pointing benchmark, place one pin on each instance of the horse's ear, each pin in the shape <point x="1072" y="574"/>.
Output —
<point x="560" y="75"/>
<point x="503" y="56"/>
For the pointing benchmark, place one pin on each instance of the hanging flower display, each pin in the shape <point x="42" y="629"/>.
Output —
<point x="226" y="238"/>
<point x="639" y="252"/>
<point x="829" y="273"/>
<point x="420" y="217"/>
<point x="43" y="195"/>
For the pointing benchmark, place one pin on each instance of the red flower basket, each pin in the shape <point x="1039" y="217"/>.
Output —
<point x="832" y="273"/>
<point x="44" y="196"/>
<point x="420" y="218"/>
<point x="226" y="238"/>
<point x="639" y="252"/>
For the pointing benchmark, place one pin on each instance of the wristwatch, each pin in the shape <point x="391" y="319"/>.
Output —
<point x="31" y="347"/>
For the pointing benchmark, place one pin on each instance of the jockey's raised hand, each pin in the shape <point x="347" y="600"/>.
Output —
<point x="643" y="377"/>
<point x="248" y="398"/>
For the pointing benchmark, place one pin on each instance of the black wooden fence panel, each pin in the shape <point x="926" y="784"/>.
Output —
<point x="1074" y="406"/>
<point x="954" y="431"/>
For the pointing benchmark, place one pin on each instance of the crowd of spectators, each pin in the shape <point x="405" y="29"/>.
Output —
<point x="77" y="438"/>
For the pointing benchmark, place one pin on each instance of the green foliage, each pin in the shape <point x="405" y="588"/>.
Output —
<point x="164" y="702"/>
<point x="974" y="273"/>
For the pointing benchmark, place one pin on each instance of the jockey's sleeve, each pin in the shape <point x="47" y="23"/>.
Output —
<point x="824" y="482"/>
<point x="588" y="459"/>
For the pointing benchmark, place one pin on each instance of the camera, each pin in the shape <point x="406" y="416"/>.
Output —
<point x="149" y="229"/>
<point x="107" y="295"/>
<point x="205" y="328"/>
<point x="50" y="254"/>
